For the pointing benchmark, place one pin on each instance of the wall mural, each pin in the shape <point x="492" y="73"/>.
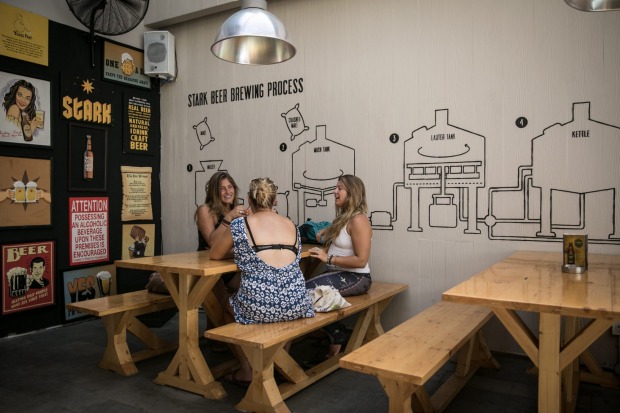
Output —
<point x="572" y="181"/>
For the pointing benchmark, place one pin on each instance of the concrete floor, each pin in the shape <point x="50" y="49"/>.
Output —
<point x="56" y="371"/>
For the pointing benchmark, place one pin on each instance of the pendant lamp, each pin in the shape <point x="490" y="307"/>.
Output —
<point x="594" y="5"/>
<point x="253" y="36"/>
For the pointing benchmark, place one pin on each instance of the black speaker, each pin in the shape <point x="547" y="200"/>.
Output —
<point x="159" y="56"/>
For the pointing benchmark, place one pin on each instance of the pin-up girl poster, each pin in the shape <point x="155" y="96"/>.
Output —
<point x="24" y="118"/>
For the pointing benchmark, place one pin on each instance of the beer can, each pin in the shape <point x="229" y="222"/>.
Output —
<point x="575" y="247"/>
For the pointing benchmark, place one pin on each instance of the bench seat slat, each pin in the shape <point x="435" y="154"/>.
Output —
<point x="416" y="349"/>
<point x="119" y="303"/>
<point x="267" y="335"/>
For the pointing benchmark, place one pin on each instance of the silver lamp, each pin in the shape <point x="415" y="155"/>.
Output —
<point x="594" y="5"/>
<point x="253" y="36"/>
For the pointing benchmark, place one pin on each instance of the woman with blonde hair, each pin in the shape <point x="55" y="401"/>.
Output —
<point x="347" y="241"/>
<point x="267" y="250"/>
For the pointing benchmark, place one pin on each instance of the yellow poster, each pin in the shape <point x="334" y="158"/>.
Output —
<point x="24" y="35"/>
<point x="136" y="193"/>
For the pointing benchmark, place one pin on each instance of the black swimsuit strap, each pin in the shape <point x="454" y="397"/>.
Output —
<point x="258" y="248"/>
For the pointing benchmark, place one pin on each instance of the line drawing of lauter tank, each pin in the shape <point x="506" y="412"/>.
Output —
<point x="445" y="158"/>
<point x="317" y="165"/>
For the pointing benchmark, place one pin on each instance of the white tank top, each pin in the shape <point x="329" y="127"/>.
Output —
<point x="342" y="246"/>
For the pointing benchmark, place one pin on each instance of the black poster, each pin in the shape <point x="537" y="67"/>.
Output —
<point x="137" y="125"/>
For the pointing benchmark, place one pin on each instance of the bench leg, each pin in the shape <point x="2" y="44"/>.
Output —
<point x="263" y="395"/>
<point x="116" y="356"/>
<point x="400" y="395"/>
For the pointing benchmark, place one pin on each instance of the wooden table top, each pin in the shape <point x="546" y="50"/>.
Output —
<point x="534" y="281"/>
<point x="192" y="262"/>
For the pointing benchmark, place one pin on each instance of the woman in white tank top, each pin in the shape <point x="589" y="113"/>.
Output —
<point x="348" y="241"/>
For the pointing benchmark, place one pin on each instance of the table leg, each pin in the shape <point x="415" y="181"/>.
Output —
<point x="188" y="370"/>
<point x="549" y="386"/>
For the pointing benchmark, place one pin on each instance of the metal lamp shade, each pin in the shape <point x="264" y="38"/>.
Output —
<point x="594" y="5"/>
<point x="253" y="36"/>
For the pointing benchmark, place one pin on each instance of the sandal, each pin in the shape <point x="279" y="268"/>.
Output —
<point x="232" y="378"/>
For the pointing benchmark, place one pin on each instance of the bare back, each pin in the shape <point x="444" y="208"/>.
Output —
<point x="269" y="228"/>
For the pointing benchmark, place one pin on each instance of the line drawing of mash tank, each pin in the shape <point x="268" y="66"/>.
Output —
<point x="447" y="160"/>
<point x="317" y="165"/>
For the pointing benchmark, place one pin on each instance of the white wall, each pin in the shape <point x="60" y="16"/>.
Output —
<point x="371" y="69"/>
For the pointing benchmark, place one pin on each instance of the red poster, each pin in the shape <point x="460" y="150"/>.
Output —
<point x="88" y="229"/>
<point x="28" y="274"/>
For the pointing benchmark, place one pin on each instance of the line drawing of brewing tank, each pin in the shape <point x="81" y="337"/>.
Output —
<point x="317" y="165"/>
<point x="580" y="157"/>
<point x="447" y="160"/>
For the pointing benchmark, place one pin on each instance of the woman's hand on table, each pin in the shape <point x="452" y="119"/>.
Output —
<point x="319" y="253"/>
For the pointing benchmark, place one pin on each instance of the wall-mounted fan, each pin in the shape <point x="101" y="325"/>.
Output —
<point x="109" y="17"/>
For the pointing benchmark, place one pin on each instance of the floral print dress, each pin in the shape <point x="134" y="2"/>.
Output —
<point x="267" y="294"/>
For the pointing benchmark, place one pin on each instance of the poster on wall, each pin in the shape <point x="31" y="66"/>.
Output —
<point x="124" y="64"/>
<point x="88" y="229"/>
<point x="87" y="284"/>
<point x="87" y="100"/>
<point x="136" y="193"/>
<point x="27" y="276"/>
<point x="88" y="157"/>
<point x="25" y="35"/>
<point x="25" y="117"/>
<point x="138" y="241"/>
<point x="137" y="125"/>
<point x="25" y="192"/>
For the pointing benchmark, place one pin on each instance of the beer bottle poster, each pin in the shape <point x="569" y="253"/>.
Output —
<point x="27" y="276"/>
<point x="25" y="117"/>
<point x="88" y="229"/>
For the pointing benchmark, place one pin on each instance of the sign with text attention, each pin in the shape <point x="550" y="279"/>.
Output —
<point x="88" y="229"/>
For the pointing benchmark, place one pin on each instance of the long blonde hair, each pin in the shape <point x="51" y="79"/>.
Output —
<point x="354" y="205"/>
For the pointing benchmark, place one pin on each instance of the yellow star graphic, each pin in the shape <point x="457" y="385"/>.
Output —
<point x="87" y="86"/>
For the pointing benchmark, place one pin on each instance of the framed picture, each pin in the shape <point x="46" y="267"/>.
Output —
<point x="27" y="276"/>
<point x="87" y="284"/>
<point x="137" y="129"/>
<point x="88" y="157"/>
<point x="25" y="192"/>
<point x="124" y="64"/>
<point x="138" y="241"/>
<point x="88" y="230"/>
<point x="25" y="117"/>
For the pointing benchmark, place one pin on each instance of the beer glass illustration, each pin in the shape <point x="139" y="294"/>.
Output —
<point x="31" y="192"/>
<point x="17" y="278"/>
<point x="104" y="280"/>
<point x="40" y="117"/>
<point x="20" y="192"/>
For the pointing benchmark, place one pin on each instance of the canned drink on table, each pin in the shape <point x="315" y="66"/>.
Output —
<point x="575" y="253"/>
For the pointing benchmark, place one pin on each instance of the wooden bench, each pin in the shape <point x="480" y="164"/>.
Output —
<point x="118" y="313"/>
<point x="263" y="344"/>
<point x="406" y="357"/>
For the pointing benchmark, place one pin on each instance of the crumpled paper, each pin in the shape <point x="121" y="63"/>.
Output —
<point x="326" y="298"/>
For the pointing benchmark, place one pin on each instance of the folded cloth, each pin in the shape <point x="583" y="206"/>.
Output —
<point x="326" y="298"/>
<point x="156" y="284"/>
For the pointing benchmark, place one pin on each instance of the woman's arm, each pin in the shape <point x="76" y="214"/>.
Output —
<point x="206" y="223"/>
<point x="222" y="244"/>
<point x="361" y="233"/>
